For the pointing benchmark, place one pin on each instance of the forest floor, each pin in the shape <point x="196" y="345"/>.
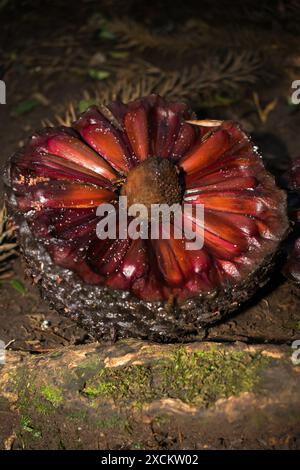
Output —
<point x="52" y="55"/>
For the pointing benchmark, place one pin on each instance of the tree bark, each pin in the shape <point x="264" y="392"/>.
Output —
<point x="140" y="395"/>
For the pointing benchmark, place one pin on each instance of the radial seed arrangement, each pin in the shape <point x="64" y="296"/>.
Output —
<point x="154" y="152"/>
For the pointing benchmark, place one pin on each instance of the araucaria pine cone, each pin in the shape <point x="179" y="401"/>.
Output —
<point x="152" y="151"/>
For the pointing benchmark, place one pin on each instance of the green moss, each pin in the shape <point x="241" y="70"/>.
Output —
<point x="87" y="369"/>
<point x="138" y="446"/>
<point x="61" y="445"/>
<point x="118" y="383"/>
<point x="56" y="354"/>
<point x="78" y="415"/>
<point x="25" y="422"/>
<point x="30" y="399"/>
<point x="52" y="394"/>
<point x="114" y="421"/>
<point x="194" y="377"/>
<point x="161" y="420"/>
<point x="42" y="407"/>
<point x="207" y="376"/>
<point x="297" y="326"/>
<point x="26" y="426"/>
<point x="25" y="399"/>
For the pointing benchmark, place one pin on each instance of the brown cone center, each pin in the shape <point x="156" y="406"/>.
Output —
<point x="153" y="181"/>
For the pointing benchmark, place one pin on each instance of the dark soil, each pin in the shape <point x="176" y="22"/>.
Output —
<point x="47" y="64"/>
<point x="29" y="324"/>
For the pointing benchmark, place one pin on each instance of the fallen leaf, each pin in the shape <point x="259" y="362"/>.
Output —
<point x="25" y="107"/>
<point x="18" y="286"/>
<point x="98" y="74"/>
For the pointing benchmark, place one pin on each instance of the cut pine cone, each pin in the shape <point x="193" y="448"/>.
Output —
<point x="152" y="151"/>
<point x="8" y="244"/>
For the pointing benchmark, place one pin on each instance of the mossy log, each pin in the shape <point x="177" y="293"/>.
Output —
<point x="140" y="395"/>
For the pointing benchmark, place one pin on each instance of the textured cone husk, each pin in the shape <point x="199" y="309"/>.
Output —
<point x="153" y="151"/>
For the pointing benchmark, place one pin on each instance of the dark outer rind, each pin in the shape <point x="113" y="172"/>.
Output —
<point x="106" y="313"/>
